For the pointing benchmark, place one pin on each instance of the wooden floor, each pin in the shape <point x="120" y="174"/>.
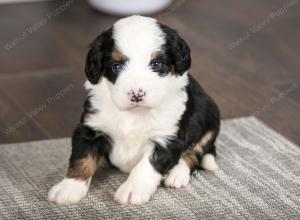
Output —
<point x="246" y="54"/>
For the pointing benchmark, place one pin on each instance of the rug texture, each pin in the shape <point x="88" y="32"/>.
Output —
<point x="259" y="178"/>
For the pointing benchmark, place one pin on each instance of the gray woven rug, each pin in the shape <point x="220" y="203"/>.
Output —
<point x="259" y="179"/>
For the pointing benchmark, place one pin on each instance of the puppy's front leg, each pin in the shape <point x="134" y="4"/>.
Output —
<point x="141" y="183"/>
<point x="146" y="175"/>
<point x="87" y="147"/>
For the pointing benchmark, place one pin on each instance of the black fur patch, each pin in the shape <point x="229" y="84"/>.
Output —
<point x="164" y="158"/>
<point x="98" y="62"/>
<point x="176" y="49"/>
<point x="201" y="115"/>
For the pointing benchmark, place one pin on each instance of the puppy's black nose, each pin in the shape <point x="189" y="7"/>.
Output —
<point x="137" y="96"/>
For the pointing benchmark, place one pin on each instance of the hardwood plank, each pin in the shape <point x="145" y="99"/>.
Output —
<point x="15" y="124"/>
<point x="53" y="100"/>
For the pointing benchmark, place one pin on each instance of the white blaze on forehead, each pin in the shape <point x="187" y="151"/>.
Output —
<point x="138" y="36"/>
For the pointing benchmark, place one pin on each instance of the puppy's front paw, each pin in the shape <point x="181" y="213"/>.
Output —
<point x="68" y="191"/>
<point x="134" y="192"/>
<point x="179" y="175"/>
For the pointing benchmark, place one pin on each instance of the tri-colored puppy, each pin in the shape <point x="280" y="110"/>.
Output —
<point x="144" y="113"/>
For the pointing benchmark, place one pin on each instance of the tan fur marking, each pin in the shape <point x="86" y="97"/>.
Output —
<point x="204" y="140"/>
<point x="154" y="55"/>
<point x="117" y="55"/>
<point x="83" y="169"/>
<point x="190" y="156"/>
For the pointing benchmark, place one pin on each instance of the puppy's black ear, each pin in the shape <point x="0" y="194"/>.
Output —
<point x="94" y="60"/>
<point x="177" y="49"/>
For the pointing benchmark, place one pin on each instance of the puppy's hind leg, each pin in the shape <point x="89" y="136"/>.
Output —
<point x="203" y="154"/>
<point x="208" y="160"/>
<point x="179" y="175"/>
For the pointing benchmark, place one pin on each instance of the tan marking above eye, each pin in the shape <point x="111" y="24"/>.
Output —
<point x="155" y="55"/>
<point x="118" y="56"/>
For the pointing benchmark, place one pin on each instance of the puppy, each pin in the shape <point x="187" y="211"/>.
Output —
<point x="144" y="113"/>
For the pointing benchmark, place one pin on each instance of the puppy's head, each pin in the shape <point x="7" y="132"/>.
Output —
<point x="143" y="62"/>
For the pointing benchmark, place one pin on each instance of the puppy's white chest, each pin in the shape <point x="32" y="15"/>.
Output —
<point x="134" y="132"/>
<point x="128" y="149"/>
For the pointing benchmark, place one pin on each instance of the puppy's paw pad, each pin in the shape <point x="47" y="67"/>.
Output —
<point x="68" y="191"/>
<point x="179" y="176"/>
<point x="131" y="193"/>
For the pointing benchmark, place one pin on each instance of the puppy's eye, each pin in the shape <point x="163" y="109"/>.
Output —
<point x="117" y="67"/>
<point x="155" y="65"/>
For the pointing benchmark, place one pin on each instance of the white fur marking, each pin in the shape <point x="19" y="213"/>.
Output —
<point x="209" y="163"/>
<point x="137" y="37"/>
<point x="68" y="191"/>
<point x="140" y="185"/>
<point x="179" y="175"/>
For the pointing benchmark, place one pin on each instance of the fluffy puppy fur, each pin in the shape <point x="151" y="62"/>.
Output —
<point x="144" y="113"/>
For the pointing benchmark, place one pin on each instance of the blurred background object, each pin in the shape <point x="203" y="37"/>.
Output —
<point x="129" y="7"/>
